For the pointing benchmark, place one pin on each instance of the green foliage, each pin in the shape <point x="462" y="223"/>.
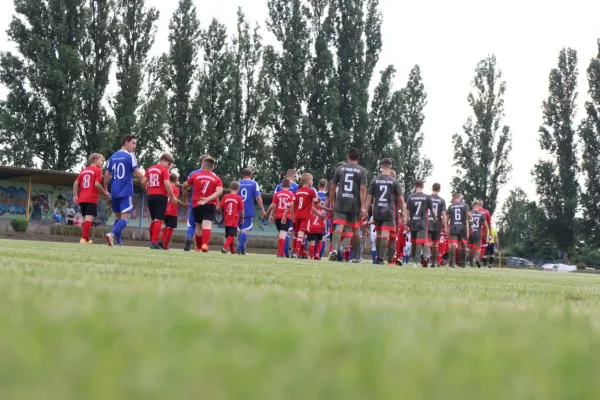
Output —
<point x="19" y="225"/>
<point x="515" y="222"/>
<point x="556" y="179"/>
<point x="481" y="152"/>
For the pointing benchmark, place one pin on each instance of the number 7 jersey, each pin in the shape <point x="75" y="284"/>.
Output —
<point x="418" y="205"/>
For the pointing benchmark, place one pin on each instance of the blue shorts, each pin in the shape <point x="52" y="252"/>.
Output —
<point x="191" y="221"/>
<point x="246" y="225"/>
<point x="122" y="204"/>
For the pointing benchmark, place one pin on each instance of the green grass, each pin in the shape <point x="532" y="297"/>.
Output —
<point x="81" y="322"/>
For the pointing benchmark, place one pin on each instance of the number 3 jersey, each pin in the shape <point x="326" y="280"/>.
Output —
<point x="121" y="165"/>
<point x="385" y="191"/>
<point x="157" y="175"/>
<point x="348" y="178"/>
<point x="87" y="184"/>
<point x="418" y="205"/>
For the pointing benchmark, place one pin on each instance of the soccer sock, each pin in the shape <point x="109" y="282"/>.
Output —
<point x="336" y="238"/>
<point x="311" y="251"/>
<point x="391" y="251"/>
<point x="242" y="241"/>
<point x="231" y="246"/>
<point x="198" y="241"/>
<point x="206" y="236"/>
<point x="462" y="254"/>
<point x="228" y="242"/>
<point x="491" y="261"/>
<point x="167" y="233"/>
<point x="418" y="251"/>
<point x="286" y="246"/>
<point x="356" y="247"/>
<point x="374" y="255"/>
<point x="413" y="251"/>
<point x="321" y="248"/>
<point x="151" y="231"/>
<point x="119" y="226"/>
<point x="280" y="246"/>
<point x="85" y="233"/>
<point x="296" y="246"/>
<point x="347" y="254"/>
<point x="156" y="233"/>
<point x="189" y="234"/>
<point x="434" y="257"/>
<point x="451" y="256"/>
<point x="302" y="248"/>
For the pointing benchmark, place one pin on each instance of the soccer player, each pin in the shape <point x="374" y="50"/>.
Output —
<point x="492" y="247"/>
<point x="460" y="215"/>
<point x="316" y="226"/>
<point x="388" y="197"/>
<point x="291" y="176"/>
<point x="305" y="204"/>
<point x="347" y="194"/>
<point x="391" y="253"/>
<point x="419" y="204"/>
<point x="401" y="240"/>
<point x="86" y="188"/>
<point x="477" y="227"/>
<point x="172" y="213"/>
<point x="281" y="201"/>
<point x="322" y="193"/>
<point x="437" y="220"/>
<point x="249" y="192"/>
<point x="486" y="233"/>
<point x="233" y="206"/>
<point x="208" y="187"/>
<point x="443" y="246"/>
<point x="157" y="180"/>
<point x="121" y="168"/>
<point x="191" y="224"/>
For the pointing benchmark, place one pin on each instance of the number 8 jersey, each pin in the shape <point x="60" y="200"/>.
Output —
<point x="87" y="184"/>
<point x="122" y="165"/>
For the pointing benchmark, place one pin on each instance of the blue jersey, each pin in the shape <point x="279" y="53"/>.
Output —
<point x="192" y="173"/>
<point x="122" y="165"/>
<point x="322" y="196"/>
<point x="249" y="191"/>
<point x="293" y="187"/>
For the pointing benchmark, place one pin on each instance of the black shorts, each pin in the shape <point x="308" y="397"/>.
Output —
<point x="231" y="231"/>
<point x="314" y="237"/>
<point x="490" y="249"/>
<point x="204" y="212"/>
<point x="157" y="204"/>
<point x="89" y="209"/>
<point x="435" y="236"/>
<point x="281" y="226"/>
<point x="170" y="221"/>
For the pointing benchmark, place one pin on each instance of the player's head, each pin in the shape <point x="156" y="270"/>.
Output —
<point x="96" y="160"/>
<point x="208" y="164"/>
<point x="353" y="154"/>
<point x="476" y="205"/>
<point x="166" y="159"/>
<point x="456" y="197"/>
<point x="480" y="202"/>
<point x="285" y="184"/>
<point x="129" y="142"/>
<point x="291" y="175"/>
<point x="323" y="184"/>
<point x="174" y="178"/>
<point x="436" y="188"/>
<point x="234" y="186"/>
<point x="203" y="156"/>
<point x="419" y="185"/>
<point x="306" y="179"/>
<point x="246" y="173"/>
<point x="386" y="164"/>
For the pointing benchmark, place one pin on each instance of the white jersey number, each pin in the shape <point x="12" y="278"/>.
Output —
<point x="154" y="180"/>
<point x="87" y="178"/>
<point x="383" y="190"/>
<point x="348" y="182"/>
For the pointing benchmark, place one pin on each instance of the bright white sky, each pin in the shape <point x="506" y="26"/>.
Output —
<point x="447" y="39"/>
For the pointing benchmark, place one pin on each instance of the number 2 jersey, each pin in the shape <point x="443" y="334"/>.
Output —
<point x="88" y="193"/>
<point x="157" y="175"/>
<point x="349" y="178"/>
<point x="418" y="206"/>
<point x="122" y="165"/>
<point x="385" y="191"/>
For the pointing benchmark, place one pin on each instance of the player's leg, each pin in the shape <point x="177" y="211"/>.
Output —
<point x="356" y="242"/>
<point x="435" y="241"/>
<point x="339" y="222"/>
<point x="462" y="253"/>
<point x="123" y="206"/>
<point x="311" y="247"/>
<point x="245" y="227"/>
<point x="170" y="225"/>
<point x="391" y="249"/>
<point x="426" y="248"/>
<point x="452" y="246"/>
<point x="208" y="215"/>
<point x="421" y="240"/>
<point x="318" y="246"/>
<point x="89" y="211"/>
<point x="298" y="243"/>
<point x="190" y="232"/>
<point x="477" y="251"/>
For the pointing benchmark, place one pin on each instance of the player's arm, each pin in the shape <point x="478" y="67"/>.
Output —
<point x="185" y="188"/>
<point x="75" y="190"/>
<point x="218" y="192"/>
<point x="169" y="189"/>
<point x="260" y="203"/>
<point x="101" y="190"/>
<point x="331" y="198"/>
<point x="316" y="211"/>
<point x="270" y="210"/>
<point x="106" y="179"/>
<point x="486" y="226"/>
<point x="138" y="174"/>
<point x="445" y="220"/>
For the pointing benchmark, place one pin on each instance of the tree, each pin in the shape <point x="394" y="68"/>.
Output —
<point x="556" y="178"/>
<point x="44" y="81"/>
<point x="408" y="112"/>
<point x="514" y="224"/>
<point x="590" y="134"/>
<point x="481" y="152"/>
<point x="97" y="57"/>
<point x="134" y="37"/>
<point x="182" y="64"/>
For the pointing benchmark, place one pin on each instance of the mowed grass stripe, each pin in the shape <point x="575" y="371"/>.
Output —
<point x="97" y="322"/>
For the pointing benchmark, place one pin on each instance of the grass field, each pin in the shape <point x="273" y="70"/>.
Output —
<point x="91" y="322"/>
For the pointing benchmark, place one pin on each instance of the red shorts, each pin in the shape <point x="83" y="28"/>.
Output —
<point x="300" y="225"/>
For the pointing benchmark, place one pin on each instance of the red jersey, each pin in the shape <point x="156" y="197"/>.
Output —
<point x="305" y="198"/>
<point x="443" y="245"/>
<point x="316" y="225"/>
<point x="88" y="193"/>
<point x="488" y="218"/>
<point x="282" y="200"/>
<point x="173" y="209"/>
<point x="401" y="242"/>
<point x="157" y="175"/>
<point x="232" y="204"/>
<point x="205" y="185"/>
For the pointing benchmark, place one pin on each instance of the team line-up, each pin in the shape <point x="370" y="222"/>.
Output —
<point x="456" y="233"/>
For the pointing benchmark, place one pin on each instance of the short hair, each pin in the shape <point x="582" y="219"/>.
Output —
<point x="235" y="185"/>
<point x="456" y="196"/>
<point x="285" y="183"/>
<point x="386" y="162"/>
<point x="476" y="203"/>
<point x="174" y="177"/>
<point x="128" y="138"/>
<point x="94" y="157"/>
<point x="167" y="157"/>
<point x="419" y="184"/>
<point x="305" y="177"/>
<point x="203" y="156"/>
<point x="479" y="201"/>
<point x="436" y="187"/>
<point x="290" y="172"/>
<point x="209" y="162"/>
<point x="323" y="183"/>
<point x="246" y="172"/>
<point x="353" y="154"/>
<point x="393" y="174"/>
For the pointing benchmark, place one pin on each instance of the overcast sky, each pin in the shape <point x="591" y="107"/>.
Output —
<point x="447" y="39"/>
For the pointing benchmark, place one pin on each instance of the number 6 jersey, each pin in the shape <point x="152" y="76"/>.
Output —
<point x="349" y="178"/>
<point x="458" y="218"/>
